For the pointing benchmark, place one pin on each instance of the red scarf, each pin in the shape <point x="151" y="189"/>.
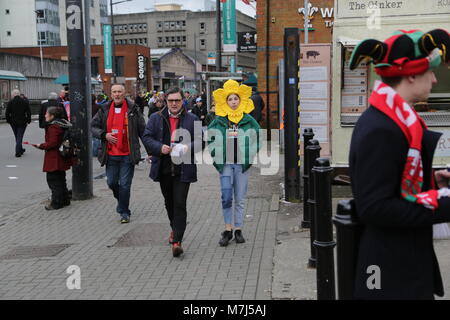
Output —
<point x="121" y="115"/>
<point x="388" y="101"/>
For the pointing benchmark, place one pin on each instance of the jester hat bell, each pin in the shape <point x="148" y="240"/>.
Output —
<point x="406" y="53"/>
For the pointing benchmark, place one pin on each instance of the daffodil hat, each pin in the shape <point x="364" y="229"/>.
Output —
<point x="245" y="106"/>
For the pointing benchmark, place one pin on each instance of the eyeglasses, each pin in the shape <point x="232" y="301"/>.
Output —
<point x="174" y="100"/>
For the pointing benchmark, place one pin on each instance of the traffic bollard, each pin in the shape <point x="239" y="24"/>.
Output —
<point x="324" y="242"/>
<point x="348" y="233"/>
<point x="313" y="150"/>
<point x="308" y="135"/>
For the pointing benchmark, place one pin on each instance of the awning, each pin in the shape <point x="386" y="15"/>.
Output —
<point x="348" y="42"/>
<point x="11" y="75"/>
<point x="64" y="79"/>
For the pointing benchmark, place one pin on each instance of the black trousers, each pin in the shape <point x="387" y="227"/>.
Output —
<point x="175" y="195"/>
<point x="56" y="181"/>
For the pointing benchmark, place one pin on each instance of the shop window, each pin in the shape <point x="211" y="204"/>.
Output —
<point x="120" y="66"/>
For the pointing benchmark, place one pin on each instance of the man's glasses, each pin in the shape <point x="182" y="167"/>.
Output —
<point x="174" y="100"/>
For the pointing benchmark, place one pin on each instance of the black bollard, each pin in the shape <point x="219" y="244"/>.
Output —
<point x="324" y="242"/>
<point x="348" y="232"/>
<point x="308" y="135"/>
<point x="313" y="150"/>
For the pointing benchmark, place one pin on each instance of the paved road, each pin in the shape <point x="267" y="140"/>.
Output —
<point x="22" y="181"/>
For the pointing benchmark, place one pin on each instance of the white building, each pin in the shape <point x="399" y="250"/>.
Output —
<point x="43" y="22"/>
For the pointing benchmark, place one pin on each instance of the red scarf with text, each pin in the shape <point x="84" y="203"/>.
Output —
<point x="388" y="101"/>
<point x="121" y="121"/>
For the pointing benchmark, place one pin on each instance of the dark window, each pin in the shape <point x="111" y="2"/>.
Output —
<point x="8" y="33"/>
<point x="94" y="66"/>
<point x="120" y="66"/>
<point x="7" y="11"/>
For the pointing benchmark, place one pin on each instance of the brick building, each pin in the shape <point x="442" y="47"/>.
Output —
<point x="126" y="64"/>
<point x="273" y="16"/>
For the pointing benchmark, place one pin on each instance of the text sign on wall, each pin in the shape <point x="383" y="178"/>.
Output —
<point x="141" y="67"/>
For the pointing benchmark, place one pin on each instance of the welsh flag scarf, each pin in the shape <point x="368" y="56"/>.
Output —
<point x="121" y="115"/>
<point x="388" y="101"/>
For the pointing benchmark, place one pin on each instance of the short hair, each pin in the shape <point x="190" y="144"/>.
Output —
<point x="118" y="84"/>
<point x="15" y="93"/>
<point x="174" y="90"/>
<point x="57" y="112"/>
<point x="392" y="81"/>
<point x="52" y="96"/>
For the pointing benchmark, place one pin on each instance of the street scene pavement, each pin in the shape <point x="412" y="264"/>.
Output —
<point x="41" y="251"/>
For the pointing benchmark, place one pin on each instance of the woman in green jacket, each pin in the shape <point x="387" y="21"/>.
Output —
<point x="233" y="141"/>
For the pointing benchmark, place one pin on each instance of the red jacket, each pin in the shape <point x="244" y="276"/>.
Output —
<point x="52" y="159"/>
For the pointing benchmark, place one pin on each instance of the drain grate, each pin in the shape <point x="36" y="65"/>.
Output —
<point x="34" y="251"/>
<point x="155" y="234"/>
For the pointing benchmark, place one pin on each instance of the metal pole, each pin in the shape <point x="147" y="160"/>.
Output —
<point x="87" y="40"/>
<point x="291" y="134"/>
<point x="82" y="180"/>
<point x="324" y="242"/>
<point x="113" y="43"/>
<point x="42" y="58"/>
<point x="313" y="149"/>
<point x="308" y="135"/>
<point x="218" y="37"/>
<point x="306" y="22"/>
<point x="348" y="232"/>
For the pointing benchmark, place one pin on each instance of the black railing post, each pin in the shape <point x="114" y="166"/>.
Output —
<point x="313" y="150"/>
<point x="348" y="232"/>
<point x="324" y="242"/>
<point x="308" y="135"/>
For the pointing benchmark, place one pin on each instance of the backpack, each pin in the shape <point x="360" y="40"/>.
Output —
<point x="68" y="149"/>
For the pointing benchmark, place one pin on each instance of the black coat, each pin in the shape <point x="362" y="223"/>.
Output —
<point x="397" y="234"/>
<point x="259" y="106"/>
<point x="136" y="126"/>
<point x="18" y="112"/>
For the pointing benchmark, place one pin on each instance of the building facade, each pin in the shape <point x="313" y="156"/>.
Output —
<point x="194" y="31"/>
<point x="127" y="64"/>
<point x="273" y="16"/>
<point x="43" y="22"/>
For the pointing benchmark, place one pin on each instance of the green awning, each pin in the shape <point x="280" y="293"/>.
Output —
<point x="64" y="79"/>
<point x="11" y="75"/>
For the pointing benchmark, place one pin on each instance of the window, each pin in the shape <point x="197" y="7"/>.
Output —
<point x="159" y="25"/>
<point x="160" y="39"/>
<point x="173" y="39"/>
<point x="183" y="23"/>
<point x="7" y="11"/>
<point x="202" y="26"/>
<point x="184" y="38"/>
<point x="93" y="22"/>
<point x="92" y="3"/>
<point x="172" y="24"/>
<point x="8" y="33"/>
<point x="167" y="40"/>
<point x="178" y="39"/>
<point x="202" y="42"/>
<point x="144" y="27"/>
<point x="166" y="25"/>
<point x="120" y="66"/>
<point x="94" y="41"/>
<point x="125" y="27"/>
<point x="94" y="66"/>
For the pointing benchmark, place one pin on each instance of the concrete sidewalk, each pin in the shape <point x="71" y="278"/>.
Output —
<point x="134" y="261"/>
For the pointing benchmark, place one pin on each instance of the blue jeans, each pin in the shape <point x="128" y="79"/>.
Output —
<point x="119" y="174"/>
<point x="233" y="181"/>
<point x="19" y="132"/>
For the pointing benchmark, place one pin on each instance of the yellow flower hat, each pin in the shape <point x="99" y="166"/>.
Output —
<point x="245" y="106"/>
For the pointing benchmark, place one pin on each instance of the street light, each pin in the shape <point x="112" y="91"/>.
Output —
<point x="113" y="41"/>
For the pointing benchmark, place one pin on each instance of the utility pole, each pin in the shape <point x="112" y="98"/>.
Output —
<point x="79" y="115"/>
<point x="113" y="44"/>
<point x="218" y="37"/>
<point x="291" y="103"/>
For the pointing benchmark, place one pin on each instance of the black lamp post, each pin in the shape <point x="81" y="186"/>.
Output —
<point x="113" y="41"/>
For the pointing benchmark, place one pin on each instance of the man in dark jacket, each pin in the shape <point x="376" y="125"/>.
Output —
<point x="173" y="163"/>
<point x="398" y="197"/>
<point x="18" y="115"/>
<point x="119" y="124"/>
<point x="259" y="105"/>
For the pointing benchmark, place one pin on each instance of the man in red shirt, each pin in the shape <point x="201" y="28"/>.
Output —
<point x="119" y="124"/>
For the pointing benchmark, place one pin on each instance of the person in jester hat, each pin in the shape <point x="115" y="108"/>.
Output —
<point x="397" y="194"/>
<point x="233" y="141"/>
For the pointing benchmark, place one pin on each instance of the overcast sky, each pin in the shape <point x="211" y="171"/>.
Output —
<point x="194" y="5"/>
